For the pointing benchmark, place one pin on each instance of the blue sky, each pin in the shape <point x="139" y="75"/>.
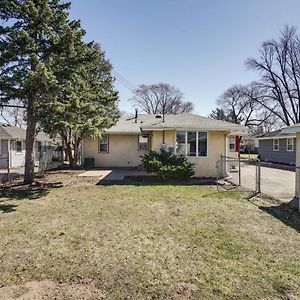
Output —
<point x="198" y="46"/>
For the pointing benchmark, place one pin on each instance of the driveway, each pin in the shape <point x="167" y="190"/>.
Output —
<point x="276" y="183"/>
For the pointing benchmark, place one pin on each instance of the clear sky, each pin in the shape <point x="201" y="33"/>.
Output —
<point x="198" y="46"/>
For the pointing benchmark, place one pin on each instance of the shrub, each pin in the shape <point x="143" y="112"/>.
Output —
<point x="167" y="165"/>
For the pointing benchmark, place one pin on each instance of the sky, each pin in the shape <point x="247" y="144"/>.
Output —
<point x="198" y="46"/>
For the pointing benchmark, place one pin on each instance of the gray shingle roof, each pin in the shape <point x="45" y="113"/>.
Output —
<point x="280" y="133"/>
<point x="14" y="132"/>
<point x="178" y="121"/>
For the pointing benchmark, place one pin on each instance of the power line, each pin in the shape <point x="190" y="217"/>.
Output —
<point x="125" y="82"/>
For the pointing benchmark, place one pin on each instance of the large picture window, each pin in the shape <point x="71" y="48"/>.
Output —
<point x="191" y="143"/>
<point x="143" y="142"/>
<point x="103" y="144"/>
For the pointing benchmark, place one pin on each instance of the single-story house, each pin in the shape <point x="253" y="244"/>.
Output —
<point x="203" y="140"/>
<point x="278" y="146"/>
<point x="12" y="146"/>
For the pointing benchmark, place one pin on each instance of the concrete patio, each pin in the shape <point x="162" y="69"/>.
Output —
<point x="116" y="175"/>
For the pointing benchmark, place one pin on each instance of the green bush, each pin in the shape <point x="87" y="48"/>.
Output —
<point x="167" y="165"/>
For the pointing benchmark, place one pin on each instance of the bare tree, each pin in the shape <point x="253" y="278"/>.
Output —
<point x="279" y="66"/>
<point x="160" y="98"/>
<point x="14" y="114"/>
<point x="239" y="105"/>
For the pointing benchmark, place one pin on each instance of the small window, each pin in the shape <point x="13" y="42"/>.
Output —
<point x="103" y="144"/>
<point x="202" y="144"/>
<point x="18" y="146"/>
<point x="191" y="143"/>
<point x="290" y="144"/>
<point x="143" y="142"/>
<point x="276" y="145"/>
<point x="232" y="143"/>
<point x="180" y="142"/>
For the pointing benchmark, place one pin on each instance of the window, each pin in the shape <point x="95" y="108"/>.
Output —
<point x="276" y="145"/>
<point x="180" y="142"/>
<point x="143" y="142"/>
<point x="18" y="146"/>
<point x="290" y="144"/>
<point x="103" y="144"/>
<point x="202" y="144"/>
<point x="232" y="143"/>
<point x="191" y="143"/>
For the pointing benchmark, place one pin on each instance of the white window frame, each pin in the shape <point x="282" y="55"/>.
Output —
<point x="230" y="143"/>
<point x="99" y="143"/>
<point x="206" y="144"/>
<point x="287" y="145"/>
<point x="274" y="149"/>
<point x="197" y="142"/>
<point x="19" y="152"/>
<point x="148" y="142"/>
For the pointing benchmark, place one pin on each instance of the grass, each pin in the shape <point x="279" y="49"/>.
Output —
<point x="154" y="242"/>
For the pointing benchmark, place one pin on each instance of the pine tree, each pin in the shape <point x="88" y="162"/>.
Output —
<point x="32" y="31"/>
<point x="87" y="102"/>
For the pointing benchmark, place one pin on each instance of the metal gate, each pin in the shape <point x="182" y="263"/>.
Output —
<point x="240" y="174"/>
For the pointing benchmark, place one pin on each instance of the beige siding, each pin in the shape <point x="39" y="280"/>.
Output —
<point x="123" y="151"/>
<point x="207" y="166"/>
<point x="157" y="139"/>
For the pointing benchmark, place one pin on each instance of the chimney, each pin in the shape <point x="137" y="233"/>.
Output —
<point x="136" y="116"/>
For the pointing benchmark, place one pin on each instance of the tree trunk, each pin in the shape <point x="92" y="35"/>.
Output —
<point x="72" y="159"/>
<point x="30" y="136"/>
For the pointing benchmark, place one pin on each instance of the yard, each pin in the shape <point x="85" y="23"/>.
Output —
<point x="70" y="238"/>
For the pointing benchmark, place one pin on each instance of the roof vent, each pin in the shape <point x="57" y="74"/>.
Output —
<point x="158" y="116"/>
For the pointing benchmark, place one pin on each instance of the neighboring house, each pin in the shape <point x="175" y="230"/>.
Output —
<point x="12" y="146"/>
<point x="278" y="146"/>
<point x="202" y="139"/>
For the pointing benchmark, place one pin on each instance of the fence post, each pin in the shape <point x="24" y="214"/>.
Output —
<point x="258" y="176"/>
<point x="240" y="177"/>
<point x="221" y="167"/>
<point x="8" y="169"/>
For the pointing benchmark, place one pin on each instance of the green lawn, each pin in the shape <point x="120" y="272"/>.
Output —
<point x="146" y="242"/>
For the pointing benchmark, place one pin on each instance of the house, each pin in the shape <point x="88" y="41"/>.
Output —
<point x="12" y="146"/>
<point x="278" y="146"/>
<point x="202" y="139"/>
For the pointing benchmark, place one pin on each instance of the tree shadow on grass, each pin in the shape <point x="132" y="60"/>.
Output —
<point x="154" y="181"/>
<point x="7" y="208"/>
<point x="287" y="213"/>
<point x="24" y="192"/>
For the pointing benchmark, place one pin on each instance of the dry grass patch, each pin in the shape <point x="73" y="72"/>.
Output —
<point x="154" y="241"/>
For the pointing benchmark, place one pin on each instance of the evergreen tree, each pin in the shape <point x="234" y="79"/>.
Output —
<point x="31" y="32"/>
<point x="86" y="102"/>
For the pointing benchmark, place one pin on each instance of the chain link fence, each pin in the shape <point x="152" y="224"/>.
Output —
<point x="254" y="176"/>
<point x="240" y="174"/>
